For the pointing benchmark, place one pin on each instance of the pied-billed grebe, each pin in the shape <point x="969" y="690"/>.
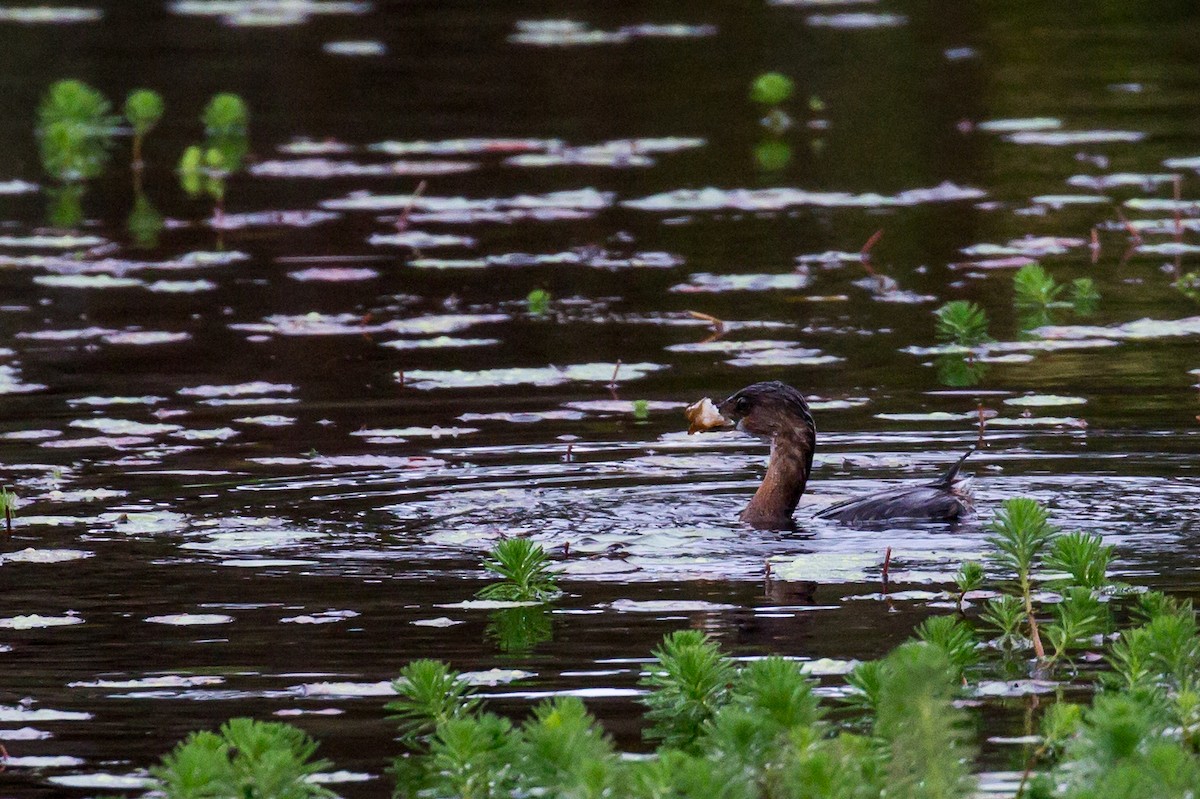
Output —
<point x="779" y="413"/>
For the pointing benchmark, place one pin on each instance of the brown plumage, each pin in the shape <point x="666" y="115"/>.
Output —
<point x="779" y="414"/>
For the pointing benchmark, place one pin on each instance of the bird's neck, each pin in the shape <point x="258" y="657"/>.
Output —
<point x="787" y="474"/>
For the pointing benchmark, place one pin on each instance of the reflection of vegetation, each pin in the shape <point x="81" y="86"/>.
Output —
<point x="145" y="223"/>
<point x="246" y="758"/>
<point x="772" y="155"/>
<point x="959" y="370"/>
<point x="64" y="208"/>
<point x="518" y="630"/>
<point x="962" y="322"/>
<point x="1084" y="296"/>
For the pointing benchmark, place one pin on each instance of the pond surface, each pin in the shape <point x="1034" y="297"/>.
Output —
<point x="260" y="460"/>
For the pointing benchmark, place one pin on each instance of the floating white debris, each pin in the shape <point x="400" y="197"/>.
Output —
<point x="87" y="281"/>
<point x="668" y="606"/>
<point x="419" y="240"/>
<point x="21" y="714"/>
<point x="777" y="199"/>
<point x="434" y="432"/>
<point x="31" y="555"/>
<point x="125" y="427"/>
<point x="104" y="782"/>
<point x="35" y="621"/>
<point x="438" y="343"/>
<point x="165" y="681"/>
<point x="544" y="376"/>
<point x="51" y="242"/>
<point x="324" y="617"/>
<point x="325" y="168"/>
<point x="856" y="21"/>
<point x="346" y="689"/>
<point x="1065" y="138"/>
<point x="355" y="48"/>
<point x="181" y="286"/>
<point x="237" y="390"/>
<point x="1044" y="400"/>
<point x="1018" y="125"/>
<point x="440" y="621"/>
<point x="47" y="15"/>
<point x="705" y="283"/>
<point x="334" y="274"/>
<point x="142" y="338"/>
<point x="190" y="619"/>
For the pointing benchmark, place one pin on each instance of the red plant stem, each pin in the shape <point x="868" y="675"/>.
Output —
<point x="871" y="242"/>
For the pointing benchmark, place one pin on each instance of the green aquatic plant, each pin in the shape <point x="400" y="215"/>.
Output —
<point x="1084" y="557"/>
<point x="430" y="693"/>
<point x="1035" y="287"/>
<point x="563" y="746"/>
<point x="1021" y="532"/>
<point x="689" y="680"/>
<point x="771" y="88"/>
<point x="75" y="130"/>
<point x="524" y="569"/>
<point x="1084" y="296"/>
<point x="922" y="731"/>
<point x="969" y="577"/>
<point x="226" y="121"/>
<point x="538" y="302"/>
<point x="143" y="110"/>
<point x="64" y="205"/>
<point x="954" y="637"/>
<point x="1077" y="618"/>
<point x="1006" y="613"/>
<point x="962" y="322"/>
<point x="641" y="410"/>
<point x="245" y="759"/>
<point x="8" y="501"/>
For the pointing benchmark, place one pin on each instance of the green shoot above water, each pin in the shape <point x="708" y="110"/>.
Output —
<point x="963" y="323"/>
<point x="525" y="572"/>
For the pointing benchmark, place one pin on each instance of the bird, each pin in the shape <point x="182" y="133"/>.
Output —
<point x="779" y="413"/>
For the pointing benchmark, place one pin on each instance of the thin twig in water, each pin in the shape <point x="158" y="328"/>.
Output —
<point x="616" y="368"/>
<point x="402" y="220"/>
<point x="1095" y="246"/>
<point x="982" y="426"/>
<point x="871" y="242"/>
<point x="1133" y="233"/>
<point x="887" y="564"/>
<point x="718" y="325"/>
<point x="1178" y="215"/>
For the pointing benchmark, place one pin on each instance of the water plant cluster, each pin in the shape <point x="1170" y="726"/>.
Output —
<point x="1036" y="295"/>
<point x="77" y="129"/>
<point x="758" y="728"/>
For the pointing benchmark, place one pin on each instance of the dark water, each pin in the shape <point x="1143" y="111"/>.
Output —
<point x="227" y="440"/>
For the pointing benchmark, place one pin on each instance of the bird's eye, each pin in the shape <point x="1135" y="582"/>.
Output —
<point x="742" y="405"/>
